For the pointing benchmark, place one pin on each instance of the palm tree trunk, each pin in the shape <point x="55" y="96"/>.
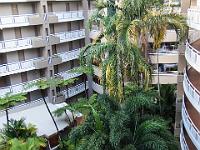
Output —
<point x="158" y="74"/>
<point x="7" y="117"/>
<point x="57" y="129"/>
<point x="158" y="84"/>
<point x="122" y="75"/>
<point x="43" y="97"/>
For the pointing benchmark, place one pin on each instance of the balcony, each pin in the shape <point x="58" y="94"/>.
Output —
<point x="170" y="36"/>
<point x="69" y="55"/>
<point x="164" y="57"/>
<point x="97" y="88"/>
<point x="68" y="75"/>
<point x="165" y="78"/>
<point x="20" y="44"/>
<point x="192" y="54"/>
<point x="72" y="91"/>
<point x="17" y="67"/>
<point x="190" y="127"/>
<point x="56" y="17"/>
<point x="70" y="36"/>
<point x="16" y="1"/>
<point x="20" y="20"/>
<point x="18" y="88"/>
<point x="193" y="16"/>
<point x="183" y="142"/>
<point x="191" y="85"/>
<point x="94" y="34"/>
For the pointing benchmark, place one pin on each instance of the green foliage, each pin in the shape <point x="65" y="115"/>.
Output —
<point x="18" y="128"/>
<point x="51" y="82"/>
<point x="19" y="136"/>
<point x="123" y="128"/>
<point x="10" y="100"/>
<point x="29" y="144"/>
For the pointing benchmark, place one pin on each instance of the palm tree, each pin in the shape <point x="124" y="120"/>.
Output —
<point x="51" y="82"/>
<point x="19" y="135"/>
<point x="150" y="18"/>
<point x="127" y="126"/>
<point x="10" y="100"/>
<point x="117" y="56"/>
<point x="29" y="144"/>
<point x="125" y="34"/>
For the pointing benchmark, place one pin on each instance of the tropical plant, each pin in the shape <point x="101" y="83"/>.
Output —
<point x="122" y="126"/>
<point x="124" y="40"/>
<point x="10" y="100"/>
<point x="18" y="128"/>
<point x="46" y="83"/>
<point x="151" y="18"/>
<point x="19" y="135"/>
<point x="167" y="102"/>
<point x="29" y="144"/>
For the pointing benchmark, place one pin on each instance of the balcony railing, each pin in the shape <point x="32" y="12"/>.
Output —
<point x="72" y="91"/>
<point x="71" y="35"/>
<point x="165" y="77"/>
<point x="18" y="88"/>
<point x="192" y="130"/>
<point x="68" y="74"/>
<point x="16" y="67"/>
<point x="192" y="93"/>
<point x="17" y="44"/>
<point x="16" y="20"/>
<point x="23" y="106"/>
<point x="97" y="88"/>
<point x="194" y="18"/>
<point x="183" y="142"/>
<point x="192" y="56"/>
<point x="68" y="16"/>
<point x="70" y="55"/>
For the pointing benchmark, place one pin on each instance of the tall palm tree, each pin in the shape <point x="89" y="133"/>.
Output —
<point x="10" y="100"/>
<point x="149" y="18"/>
<point x="118" y="57"/>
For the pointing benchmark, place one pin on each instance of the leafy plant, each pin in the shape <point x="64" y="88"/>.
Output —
<point x="18" y="136"/>
<point x="10" y="100"/>
<point x="127" y="125"/>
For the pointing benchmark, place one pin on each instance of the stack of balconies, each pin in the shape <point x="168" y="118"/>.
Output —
<point x="190" y="132"/>
<point x="39" y="43"/>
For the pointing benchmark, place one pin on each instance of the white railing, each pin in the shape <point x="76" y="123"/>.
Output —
<point x="72" y="91"/>
<point x="97" y="88"/>
<point x="192" y="56"/>
<point x="15" y="43"/>
<point x="69" y="15"/>
<point x="23" y="106"/>
<point x="192" y="130"/>
<point x="183" y="142"/>
<point x="193" y="16"/>
<point x="71" y="35"/>
<point x="70" y="55"/>
<point x="68" y="74"/>
<point x="18" y="66"/>
<point x="15" y="19"/>
<point x="192" y="93"/>
<point x="18" y="88"/>
<point x="194" y="35"/>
